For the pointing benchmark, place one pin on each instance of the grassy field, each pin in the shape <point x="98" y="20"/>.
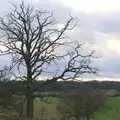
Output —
<point x="47" y="110"/>
<point x="111" y="110"/>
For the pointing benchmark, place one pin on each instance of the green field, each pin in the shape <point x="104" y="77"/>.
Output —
<point x="111" y="110"/>
<point x="47" y="110"/>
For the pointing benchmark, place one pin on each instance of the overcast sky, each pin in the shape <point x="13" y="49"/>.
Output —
<point x="99" y="28"/>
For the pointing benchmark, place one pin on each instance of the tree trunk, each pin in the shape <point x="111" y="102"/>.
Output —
<point x="29" y="97"/>
<point x="87" y="117"/>
<point x="30" y="105"/>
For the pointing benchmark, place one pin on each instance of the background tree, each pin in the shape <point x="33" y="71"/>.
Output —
<point x="7" y="104"/>
<point x="32" y="38"/>
<point x="81" y="104"/>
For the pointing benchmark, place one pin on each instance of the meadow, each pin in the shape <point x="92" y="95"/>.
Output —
<point x="111" y="110"/>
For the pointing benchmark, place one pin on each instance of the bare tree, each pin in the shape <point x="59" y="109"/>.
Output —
<point x="32" y="38"/>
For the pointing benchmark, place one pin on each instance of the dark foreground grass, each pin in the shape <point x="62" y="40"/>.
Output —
<point x="46" y="110"/>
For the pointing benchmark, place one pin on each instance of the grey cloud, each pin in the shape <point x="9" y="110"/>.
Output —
<point x="111" y="24"/>
<point x="109" y="66"/>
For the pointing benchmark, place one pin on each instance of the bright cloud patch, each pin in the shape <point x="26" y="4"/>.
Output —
<point x="113" y="45"/>
<point x="92" y="5"/>
<point x="107" y="43"/>
<point x="60" y="26"/>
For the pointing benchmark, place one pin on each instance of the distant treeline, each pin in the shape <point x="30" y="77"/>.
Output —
<point x="46" y="86"/>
